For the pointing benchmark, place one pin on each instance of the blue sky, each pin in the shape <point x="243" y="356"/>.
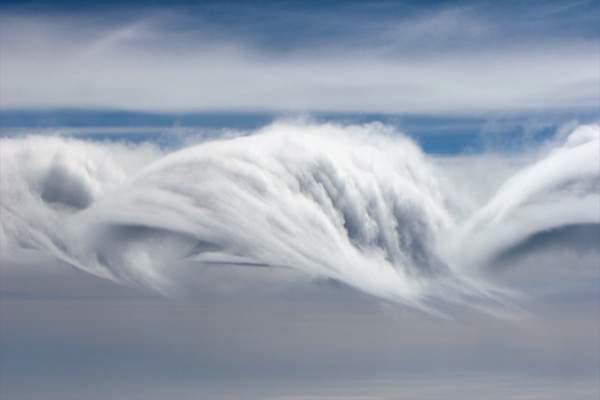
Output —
<point x="378" y="57"/>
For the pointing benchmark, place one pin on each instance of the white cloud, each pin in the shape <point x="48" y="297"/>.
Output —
<point x="562" y="189"/>
<point x="358" y="204"/>
<point x="66" y="63"/>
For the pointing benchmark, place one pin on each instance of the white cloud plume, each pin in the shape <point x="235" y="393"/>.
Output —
<point x="358" y="204"/>
<point x="561" y="190"/>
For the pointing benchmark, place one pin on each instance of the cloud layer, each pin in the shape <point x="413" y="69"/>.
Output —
<point x="358" y="204"/>
<point x="376" y="58"/>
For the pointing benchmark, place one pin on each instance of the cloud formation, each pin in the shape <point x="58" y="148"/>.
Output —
<point x="561" y="190"/>
<point x="358" y="204"/>
<point x="368" y="59"/>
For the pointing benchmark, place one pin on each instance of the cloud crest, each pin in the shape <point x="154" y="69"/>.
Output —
<point x="359" y="204"/>
<point x="561" y="190"/>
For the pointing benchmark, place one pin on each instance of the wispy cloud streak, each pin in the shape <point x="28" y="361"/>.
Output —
<point x="446" y="60"/>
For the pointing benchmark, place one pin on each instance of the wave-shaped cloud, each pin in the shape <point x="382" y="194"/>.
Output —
<point x="359" y="204"/>
<point x="561" y="190"/>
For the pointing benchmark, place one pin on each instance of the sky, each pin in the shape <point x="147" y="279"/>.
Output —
<point x="300" y="200"/>
<point x="389" y="57"/>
